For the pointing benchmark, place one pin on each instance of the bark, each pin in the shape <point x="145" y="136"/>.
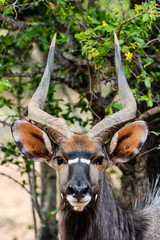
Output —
<point x="48" y="229"/>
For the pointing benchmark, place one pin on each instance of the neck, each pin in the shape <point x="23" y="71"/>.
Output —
<point x="100" y="220"/>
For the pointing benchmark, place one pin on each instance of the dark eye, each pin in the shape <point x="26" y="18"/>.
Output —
<point x="60" y="161"/>
<point x="98" y="161"/>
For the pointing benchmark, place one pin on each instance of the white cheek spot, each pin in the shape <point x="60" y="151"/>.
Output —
<point x="83" y="160"/>
<point x="62" y="195"/>
<point x="75" y="160"/>
<point x="96" y="197"/>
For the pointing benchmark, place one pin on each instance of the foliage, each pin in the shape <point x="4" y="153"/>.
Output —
<point x="85" y="52"/>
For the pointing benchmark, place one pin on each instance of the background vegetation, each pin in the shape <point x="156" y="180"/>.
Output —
<point x="84" y="62"/>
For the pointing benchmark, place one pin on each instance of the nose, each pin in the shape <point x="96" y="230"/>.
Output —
<point x="78" y="192"/>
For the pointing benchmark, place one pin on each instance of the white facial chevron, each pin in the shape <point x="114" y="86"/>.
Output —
<point x="75" y="160"/>
<point x="83" y="160"/>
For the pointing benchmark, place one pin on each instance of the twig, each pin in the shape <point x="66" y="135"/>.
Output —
<point x="151" y="112"/>
<point x="132" y="72"/>
<point x="79" y="6"/>
<point x="153" y="40"/>
<point x="90" y="86"/>
<point x="86" y="28"/>
<point x="128" y="20"/>
<point x="20" y="5"/>
<point x="91" y="92"/>
<point x="90" y="3"/>
<point x="94" y="113"/>
<point x="14" y="4"/>
<point x="25" y="74"/>
<point x="32" y="201"/>
<point x="13" y="179"/>
<point x="13" y="23"/>
<point x="150" y="150"/>
<point x="5" y="123"/>
<point x="72" y="58"/>
<point x="34" y="187"/>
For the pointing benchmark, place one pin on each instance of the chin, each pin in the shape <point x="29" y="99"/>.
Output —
<point x="79" y="206"/>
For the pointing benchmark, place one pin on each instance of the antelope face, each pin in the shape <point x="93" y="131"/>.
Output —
<point x="79" y="163"/>
<point x="79" y="160"/>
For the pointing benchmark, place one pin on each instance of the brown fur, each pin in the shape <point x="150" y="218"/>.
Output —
<point x="82" y="142"/>
<point x="32" y="139"/>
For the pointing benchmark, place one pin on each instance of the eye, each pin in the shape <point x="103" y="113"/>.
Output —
<point x="98" y="161"/>
<point x="60" y="161"/>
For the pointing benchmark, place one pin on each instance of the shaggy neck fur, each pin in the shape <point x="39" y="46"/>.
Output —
<point x="100" y="220"/>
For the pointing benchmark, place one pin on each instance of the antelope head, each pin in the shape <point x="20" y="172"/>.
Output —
<point x="80" y="160"/>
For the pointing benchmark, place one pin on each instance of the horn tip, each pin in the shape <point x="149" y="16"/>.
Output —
<point x="115" y="39"/>
<point x="53" y="41"/>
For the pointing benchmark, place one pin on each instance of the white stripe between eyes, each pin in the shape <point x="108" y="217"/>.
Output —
<point x="75" y="160"/>
<point x="83" y="160"/>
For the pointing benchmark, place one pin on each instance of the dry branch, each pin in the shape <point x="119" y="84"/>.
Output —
<point x="15" y="24"/>
<point x="13" y="179"/>
<point x="150" y="113"/>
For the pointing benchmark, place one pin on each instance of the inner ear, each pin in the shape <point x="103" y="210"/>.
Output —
<point x="32" y="141"/>
<point x="128" y="141"/>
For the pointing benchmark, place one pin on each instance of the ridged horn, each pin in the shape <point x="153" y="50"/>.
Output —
<point x="56" y="129"/>
<point x="103" y="130"/>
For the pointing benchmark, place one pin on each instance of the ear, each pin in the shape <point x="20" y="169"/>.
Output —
<point x="32" y="141"/>
<point x="128" y="141"/>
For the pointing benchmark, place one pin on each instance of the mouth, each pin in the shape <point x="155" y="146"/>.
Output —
<point x="78" y="205"/>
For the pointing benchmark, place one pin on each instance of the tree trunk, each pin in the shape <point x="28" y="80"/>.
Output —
<point x="48" y="230"/>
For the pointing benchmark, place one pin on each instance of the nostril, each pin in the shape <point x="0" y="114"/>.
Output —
<point x="78" y="191"/>
<point x="85" y="190"/>
<point x="71" y="190"/>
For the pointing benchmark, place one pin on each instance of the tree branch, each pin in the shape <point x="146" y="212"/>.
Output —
<point x="150" y="113"/>
<point x="13" y="23"/>
<point x="128" y="20"/>
<point x="33" y="204"/>
<point x="34" y="187"/>
<point x="153" y="40"/>
<point x="13" y="179"/>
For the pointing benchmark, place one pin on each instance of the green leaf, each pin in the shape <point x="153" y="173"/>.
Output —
<point x="126" y="48"/>
<point x="121" y="41"/>
<point x="8" y="41"/>
<point x="94" y="21"/>
<point x="2" y="2"/>
<point x="2" y="88"/>
<point x="147" y="82"/>
<point x="149" y="103"/>
<point x="113" y="171"/>
<point x="8" y="11"/>
<point x="140" y="40"/>
<point x="148" y="62"/>
<point x="117" y="106"/>
<point x="144" y="74"/>
<point x="61" y="2"/>
<point x="4" y="84"/>
<point x="156" y="133"/>
<point x="145" y="17"/>
<point x="143" y="98"/>
<point x="146" y="5"/>
<point x="131" y="13"/>
<point x="89" y="56"/>
<point x="152" y="3"/>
